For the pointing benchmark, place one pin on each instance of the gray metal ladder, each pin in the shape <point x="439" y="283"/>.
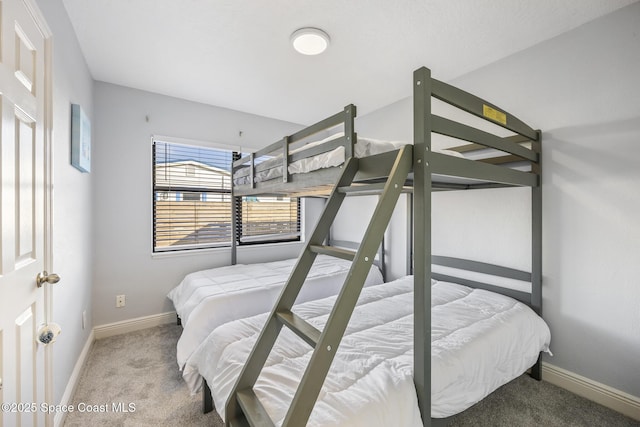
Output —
<point x="243" y="407"/>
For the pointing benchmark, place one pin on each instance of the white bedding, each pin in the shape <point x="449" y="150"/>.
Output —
<point x="480" y="341"/>
<point x="207" y="299"/>
<point x="362" y="148"/>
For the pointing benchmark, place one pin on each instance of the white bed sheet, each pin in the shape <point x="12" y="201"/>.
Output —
<point x="207" y="299"/>
<point x="480" y="341"/>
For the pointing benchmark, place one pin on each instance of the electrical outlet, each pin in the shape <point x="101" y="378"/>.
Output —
<point x="84" y="319"/>
<point x="120" y="301"/>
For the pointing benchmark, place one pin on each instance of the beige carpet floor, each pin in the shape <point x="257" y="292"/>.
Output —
<point x="139" y="369"/>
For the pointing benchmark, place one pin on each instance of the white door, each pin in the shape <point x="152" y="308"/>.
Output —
<point x="25" y="212"/>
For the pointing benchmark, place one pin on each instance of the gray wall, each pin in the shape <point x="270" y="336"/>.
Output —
<point x="582" y="90"/>
<point x="122" y="236"/>
<point x="72" y="214"/>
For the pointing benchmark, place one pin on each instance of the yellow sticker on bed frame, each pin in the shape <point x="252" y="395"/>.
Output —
<point x="493" y="114"/>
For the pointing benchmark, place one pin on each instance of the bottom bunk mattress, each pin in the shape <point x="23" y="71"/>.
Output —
<point x="480" y="340"/>
<point x="207" y="299"/>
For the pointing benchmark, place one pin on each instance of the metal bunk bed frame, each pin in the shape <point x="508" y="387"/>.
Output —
<point x="243" y="407"/>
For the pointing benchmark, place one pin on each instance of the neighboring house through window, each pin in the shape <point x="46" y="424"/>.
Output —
<point x="192" y="202"/>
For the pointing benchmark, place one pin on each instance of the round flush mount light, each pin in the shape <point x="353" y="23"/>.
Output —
<point x="310" y="41"/>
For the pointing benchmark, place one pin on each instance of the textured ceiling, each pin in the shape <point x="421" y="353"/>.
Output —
<point x="236" y="53"/>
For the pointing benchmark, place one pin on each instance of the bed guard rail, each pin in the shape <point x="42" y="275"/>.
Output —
<point x="522" y="146"/>
<point x="298" y="141"/>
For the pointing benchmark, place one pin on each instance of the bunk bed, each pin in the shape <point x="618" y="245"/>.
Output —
<point x="209" y="298"/>
<point x="417" y="169"/>
<point x="370" y="382"/>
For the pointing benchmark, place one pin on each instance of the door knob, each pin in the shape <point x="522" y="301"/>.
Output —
<point x="43" y="277"/>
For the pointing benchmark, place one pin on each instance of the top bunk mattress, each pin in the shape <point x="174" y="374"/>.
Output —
<point x="273" y="166"/>
<point x="207" y="299"/>
<point x="480" y="340"/>
<point x="364" y="147"/>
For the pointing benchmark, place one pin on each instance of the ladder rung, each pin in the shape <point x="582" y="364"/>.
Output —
<point x="239" y="422"/>
<point x="301" y="327"/>
<point x="363" y="189"/>
<point x="253" y="410"/>
<point x="333" y="251"/>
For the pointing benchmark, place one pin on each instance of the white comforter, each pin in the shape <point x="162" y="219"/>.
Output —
<point x="362" y="148"/>
<point x="480" y="341"/>
<point x="207" y="299"/>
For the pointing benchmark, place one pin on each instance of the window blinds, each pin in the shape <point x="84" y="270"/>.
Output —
<point x="265" y="219"/>
<point x="192" y="203"/>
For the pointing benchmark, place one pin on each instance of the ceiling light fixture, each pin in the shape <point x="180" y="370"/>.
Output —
<point x="310" y="41"/>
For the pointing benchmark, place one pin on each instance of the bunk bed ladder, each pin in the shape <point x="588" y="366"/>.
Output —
<point x="243" y="407"/>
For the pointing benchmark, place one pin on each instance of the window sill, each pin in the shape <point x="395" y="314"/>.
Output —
<point x="226" y="249"/>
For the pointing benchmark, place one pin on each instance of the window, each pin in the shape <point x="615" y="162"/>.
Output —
<point x="192" y="203"/>
<point x="267" y="219"/>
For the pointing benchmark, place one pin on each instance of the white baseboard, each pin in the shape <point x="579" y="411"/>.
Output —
<point x="70" y="390"/>
<point x="597" y="392"/>
<point x="130" y="325"/>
